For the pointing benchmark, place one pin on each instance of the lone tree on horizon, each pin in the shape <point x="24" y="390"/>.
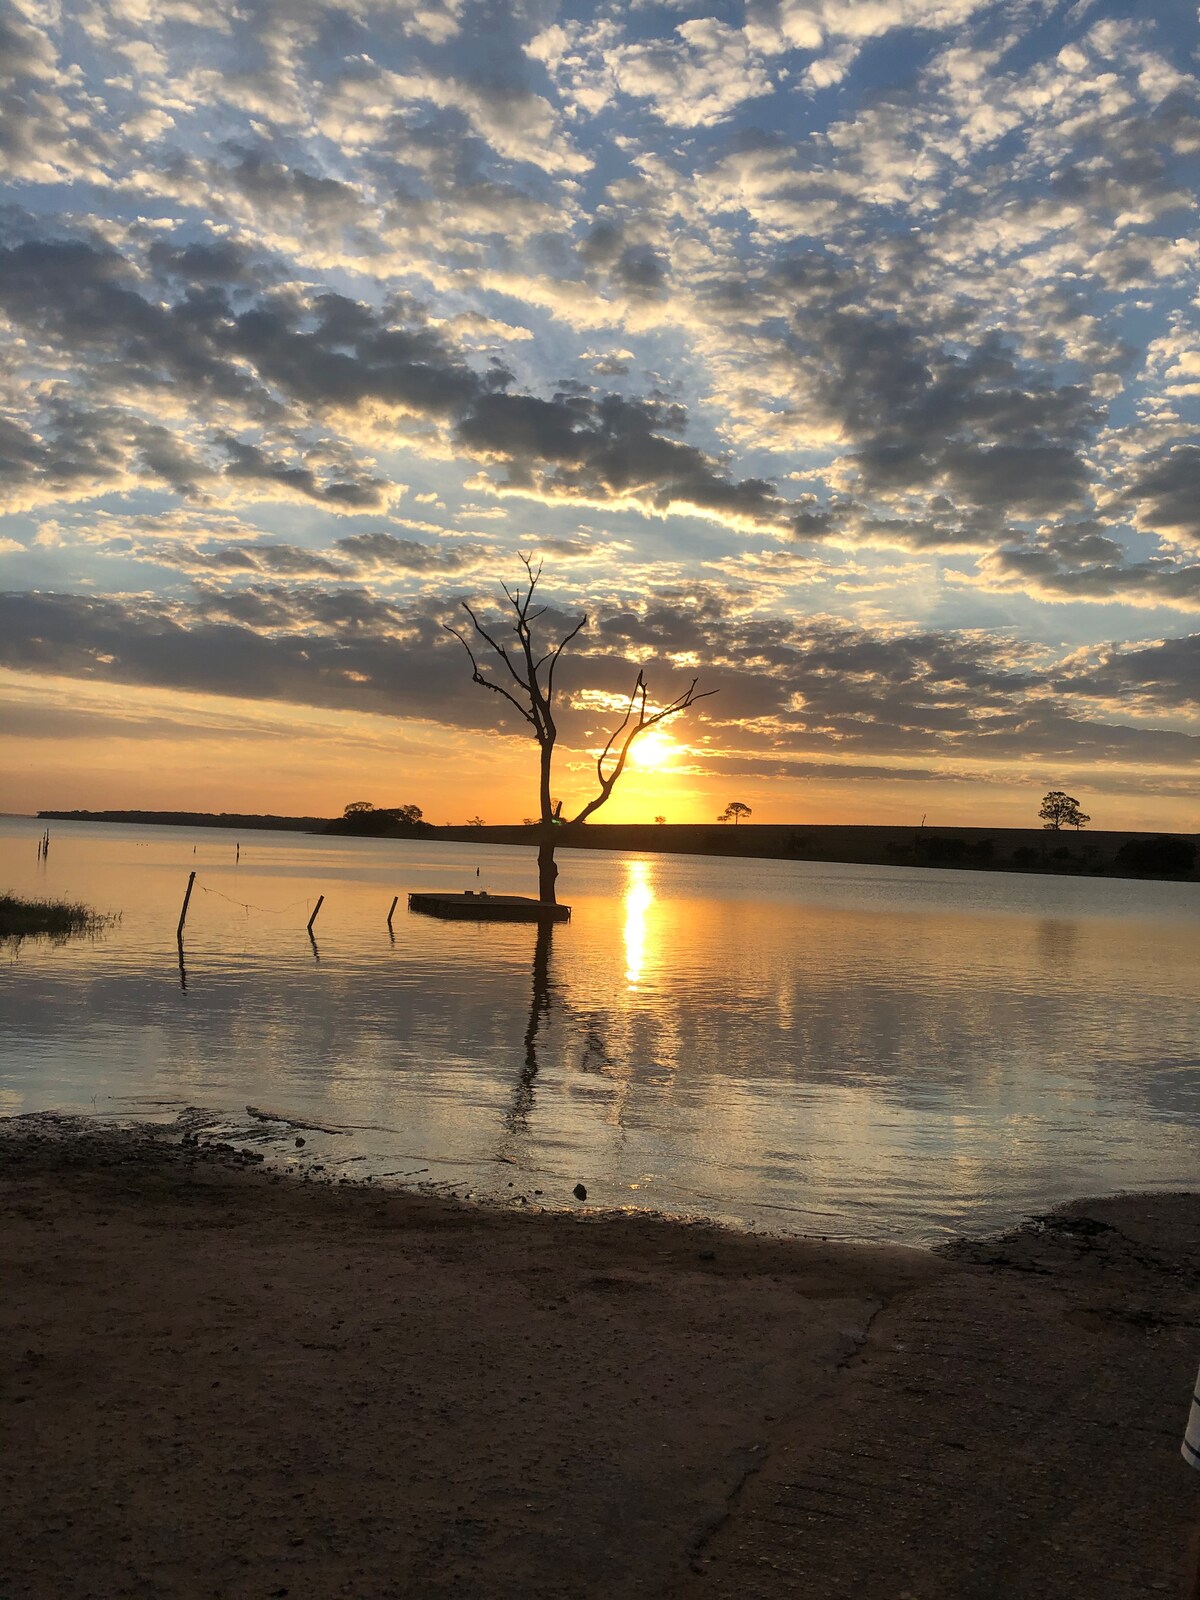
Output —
<point x="1062" y="810"/>
<point x="529" y="687"/>
<point x="734" y="812"/>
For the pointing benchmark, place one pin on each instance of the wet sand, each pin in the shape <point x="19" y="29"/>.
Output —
<point x="223" y="1383"/>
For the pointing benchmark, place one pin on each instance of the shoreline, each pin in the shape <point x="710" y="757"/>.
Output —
<point x="1092" y="853"/>
<point x="225" y="1380"/>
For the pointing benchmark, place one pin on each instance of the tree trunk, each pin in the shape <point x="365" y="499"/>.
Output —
<point x="547" y="871"/>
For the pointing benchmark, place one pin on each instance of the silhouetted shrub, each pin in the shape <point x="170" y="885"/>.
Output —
<point x="58" y="918"/>
<point x="1162" y="854"/>
<point x="936" y="850"/>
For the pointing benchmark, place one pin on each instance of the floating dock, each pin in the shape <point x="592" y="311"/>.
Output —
<point x="479" y="906"/>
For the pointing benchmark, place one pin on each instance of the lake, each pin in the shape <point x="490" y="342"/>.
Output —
<point x="854" y="1051"/>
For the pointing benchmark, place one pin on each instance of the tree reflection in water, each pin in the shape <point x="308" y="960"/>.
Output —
<point x="517" y="1115"/>
<point x="544" y="1002"/>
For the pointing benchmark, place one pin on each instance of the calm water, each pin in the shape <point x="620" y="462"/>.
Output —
<point x="856" y="1051"/>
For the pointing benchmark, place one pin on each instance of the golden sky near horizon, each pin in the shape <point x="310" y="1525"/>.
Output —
<point x="320" y="762"/>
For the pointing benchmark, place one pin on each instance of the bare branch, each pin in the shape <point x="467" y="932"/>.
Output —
<point x="478" y="677"/>
<point x="536" y="683"/>
<point x="495" y="644"/>
<point x="680" y="703"/>
<point x="623" y="736"/>
<point x="538" y="697"/>
<point x="553" y="655"/>
<point x="534" y="577"/>
<point x="619" y="729"/>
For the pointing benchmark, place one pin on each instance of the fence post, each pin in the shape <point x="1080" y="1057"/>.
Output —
<point x="392" y="912"/>
<point x="187" y="897"/>
<point x="316" y="908"/>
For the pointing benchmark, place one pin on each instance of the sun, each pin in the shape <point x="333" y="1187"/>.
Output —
<point x="654" y="751"/>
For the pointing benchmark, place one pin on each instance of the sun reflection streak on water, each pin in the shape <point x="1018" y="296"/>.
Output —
<point x="639" y="897"/>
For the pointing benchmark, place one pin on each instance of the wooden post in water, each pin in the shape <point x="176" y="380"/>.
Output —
<point x="316" y="908"/>
<point x="187" y="897"/>
<point x="392" y="912"/>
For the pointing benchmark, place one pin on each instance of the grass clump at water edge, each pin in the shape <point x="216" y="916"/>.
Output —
<point x="60" y="919"/>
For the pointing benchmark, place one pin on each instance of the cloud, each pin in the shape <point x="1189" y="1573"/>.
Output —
<point x="319" y="349"/>
<point x="697" y="77"/>
<point x="242" y="560"/>
<point x="1164" y="674"/>
<point x="1052" y="570"/>
<point x="777" y="25"/>
<point x="797" y="285"/>
<point x="383" y="553"/>
<point x="74" y="451"/>
<point x="1166" y="493"/>
<point x="516" y="123"/>
<point x="243" y="350"/>
<point x="247" y="462"/>
<point x="810" y="689"/>
<point x="284" y="361"/>
<point x="48" y="131"/>
<point x="377" y="555"/>
<point x="969" y="420"/>
<point x="634" y="268"/>
<point x="609" y="449"/>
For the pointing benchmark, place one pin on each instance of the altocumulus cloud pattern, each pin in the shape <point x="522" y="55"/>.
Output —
<point x="848" y="351"/>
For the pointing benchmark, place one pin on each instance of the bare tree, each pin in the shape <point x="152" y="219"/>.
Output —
<point x="524" y="676"/>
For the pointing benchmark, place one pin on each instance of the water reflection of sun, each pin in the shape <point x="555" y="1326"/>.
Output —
<point x="639" y="896"/>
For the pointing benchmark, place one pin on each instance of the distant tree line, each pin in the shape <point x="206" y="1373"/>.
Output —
<point x="242" y="820"/>
<point x="362" y="817"/>
<point x="1163" y="855"/>
<point x="1154" y="856"/>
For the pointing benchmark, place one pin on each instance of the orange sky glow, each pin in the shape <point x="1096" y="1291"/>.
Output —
<point x="104" y="749"/>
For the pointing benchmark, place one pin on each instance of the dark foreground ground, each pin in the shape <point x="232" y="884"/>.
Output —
<point x="219" y="1384"/>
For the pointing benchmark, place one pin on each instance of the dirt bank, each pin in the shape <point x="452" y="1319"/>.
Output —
<point x="220" y="1383"/>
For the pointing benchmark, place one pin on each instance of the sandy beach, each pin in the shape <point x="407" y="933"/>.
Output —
<point x="220" y="1382"/>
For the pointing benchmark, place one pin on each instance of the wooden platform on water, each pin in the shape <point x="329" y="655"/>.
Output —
<point x="479" y="906"/>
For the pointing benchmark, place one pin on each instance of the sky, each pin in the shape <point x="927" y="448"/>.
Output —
<point x="841" y="354"/>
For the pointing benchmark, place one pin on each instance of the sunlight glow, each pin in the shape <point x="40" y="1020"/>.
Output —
<point x="654" y="751"/>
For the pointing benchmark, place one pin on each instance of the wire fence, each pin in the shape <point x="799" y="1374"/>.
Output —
<point x="248" y="905"/>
